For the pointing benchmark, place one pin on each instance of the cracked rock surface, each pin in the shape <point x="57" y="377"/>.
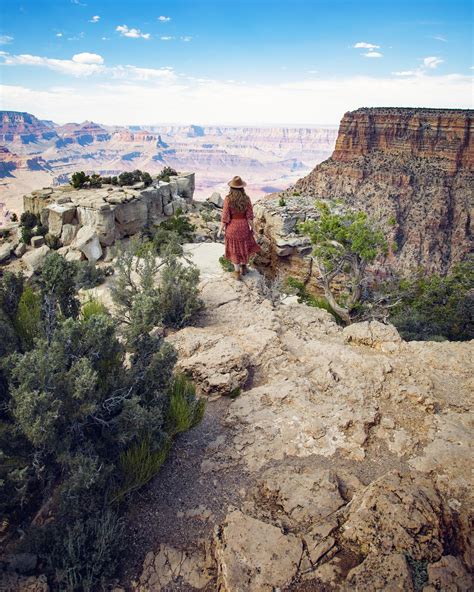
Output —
<point x="343" y="464"/>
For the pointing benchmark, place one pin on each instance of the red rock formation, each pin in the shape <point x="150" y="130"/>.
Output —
<point x="442" y="135"/>
<point x="413" y="168"/>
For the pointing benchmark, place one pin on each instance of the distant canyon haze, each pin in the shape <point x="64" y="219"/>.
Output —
<point x="36" y="153"/>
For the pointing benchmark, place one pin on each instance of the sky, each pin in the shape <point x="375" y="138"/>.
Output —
<point x="235" y="62"/>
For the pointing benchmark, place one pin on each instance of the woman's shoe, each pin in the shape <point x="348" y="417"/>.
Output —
<point x="237" y="275"/>
<point x="245" y="269"/>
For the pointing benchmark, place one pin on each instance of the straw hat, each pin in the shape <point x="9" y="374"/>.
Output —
<point x="237" y="183"/>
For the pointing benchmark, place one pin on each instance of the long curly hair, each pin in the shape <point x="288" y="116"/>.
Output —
<point x="238" y="199"/>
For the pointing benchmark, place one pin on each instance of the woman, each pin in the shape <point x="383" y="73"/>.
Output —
<point x="237" y="223"/>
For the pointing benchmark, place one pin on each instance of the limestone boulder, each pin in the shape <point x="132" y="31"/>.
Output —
<point x="216" y="363"/>
<point x="154" y="199"/>
<point x="87" y="241"/>
<point x="102" y="219"/>
<point x="381" y="573"/>
<point x="74" y="255"/>
<point x="185" y="183"/>
<point x="6" y="251"/>
<point x="37" y="241"/>
<point x="216" y="200"/>
<point x="20" y="250"/>
<point x="59" y="214"/>
<point x="254" y="556"/>
<point x="449" y="574"/>
<point x="131" y="217"/>
<point x="373" y="334"/>
<point x="68" y="233"/>
<point x="34" y="259"/>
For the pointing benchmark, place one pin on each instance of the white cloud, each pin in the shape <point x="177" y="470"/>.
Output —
<point x="78" y="2"/>
<point x="88" y="64"/>
<point x="134" y="33"/>
<point x="440" y="38"/>
<point x="5" y="39"/>
<point x="59" y="34"/>
<point x="186" y="38"/>
<point x="166" y="38"/>
<point x="95" y="19"/>
<point x="87" y="58"/>
<point x="364" y="45"/>
<point x="373" y="54"/>
<point x="164" y="19"/>
<point x="105" y="38"/>
<point x="432" y="62"/>
<point x="217" y="102"/>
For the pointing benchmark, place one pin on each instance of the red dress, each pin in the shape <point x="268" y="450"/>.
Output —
<point x="240" y="243"/>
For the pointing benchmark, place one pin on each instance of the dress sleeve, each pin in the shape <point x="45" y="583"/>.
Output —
<point x="249" y="211"/>
<point x="225" y="216"/>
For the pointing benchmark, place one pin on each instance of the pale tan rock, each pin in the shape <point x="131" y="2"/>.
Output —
<point x="398" y="513"/>
<point x="384" y="573"/>
<point x="195" y="567"/>
<point x="254" y="556"/>
<point x="371" y="333"/>
<point x="35" y="259"/>
<point x="68" y="233"/>
<point x="87" y="241"/>
<point x="59" y="214"/>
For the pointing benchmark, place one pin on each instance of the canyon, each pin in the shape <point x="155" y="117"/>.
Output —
<point x="36" y="153"/>
<point x="411" y="170"/>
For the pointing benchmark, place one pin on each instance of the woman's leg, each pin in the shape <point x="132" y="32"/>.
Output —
<point x="237" y="267"/>
<point x="237" y="271"/>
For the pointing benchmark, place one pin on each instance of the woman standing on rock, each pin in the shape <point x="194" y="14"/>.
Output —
<point x="237" y="223"/>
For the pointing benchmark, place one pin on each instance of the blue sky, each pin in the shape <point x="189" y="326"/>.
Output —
<point x="240" y="61"/>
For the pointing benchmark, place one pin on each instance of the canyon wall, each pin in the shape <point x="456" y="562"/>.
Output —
<point x="410" y="169"/>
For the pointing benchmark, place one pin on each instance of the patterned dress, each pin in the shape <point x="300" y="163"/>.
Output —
<point x="240" y="243"/>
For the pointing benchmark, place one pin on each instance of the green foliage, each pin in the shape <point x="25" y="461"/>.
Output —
<point x="88" y="275"/>
<point x="226" y="264"/>
<point x="136" y="176"/>
<point x="79" y="179"/>
<point x="28" y="318"/>
<point x="435" y="307"/>
<point x="57" y="282"/>
<point x="418" y="572"/>
<point x="92" y="308"/>
<point x="236" y="392"/>
<point x="178" y="292"/>
<point x="4" y="233"/>
<point x="40" y="230"/>
<point x="339" y="236"/>
<point x="166" y="173"/>
<point x="28" y="220"/>
<point x="95" y="181"/>
<point x="282" y="202"/>
<point x="296" y="193"/>
<point x="184" y="411"/>
<point x="140" y="463"/>
<point x="180" y="225"/>
<point x="11" y="288"/>
<point x="14" y="217"/>
<point x="392" y="221"/>
<point x="345" y="242"/>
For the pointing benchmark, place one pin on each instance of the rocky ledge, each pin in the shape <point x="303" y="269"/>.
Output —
<point x="340" y="461"/>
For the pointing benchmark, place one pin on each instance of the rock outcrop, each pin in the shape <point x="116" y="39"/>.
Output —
<point x="110" y="212"/>
<point x="343" y="464"/>
<point x="411" y="168"/>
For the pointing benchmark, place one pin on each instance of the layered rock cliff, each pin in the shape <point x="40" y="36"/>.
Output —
<point x="410" y="168"/>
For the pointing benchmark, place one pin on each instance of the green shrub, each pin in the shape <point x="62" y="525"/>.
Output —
<point x="184" y="411"/>
<point x="14" y="217"/>
<point x="28" y="220"/>
<point x="166" y="173"/>
<point x="140" y="463"/>
<point x="282" y="202"/>
<point x="88" y="275"/>
<point x="79" y="179"/>
<point x="28" y="317"/>
<point x="178" y="292"/>
<point x="226" y="264"/>
<point x="40" y="230"/>
<point x="4" y="233"/>
<point x="435" y="307"/>
<point x="95" y="181"/>
<point x="93" y="307"/>
<point x="296" y="193"/>
<point x="305" y="297"/>
<point x="26" y="235"/>
<point x="179" y="224"/>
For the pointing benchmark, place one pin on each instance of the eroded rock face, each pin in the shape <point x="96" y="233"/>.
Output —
<point x="413" y="167"/>
<point x="112" y="212"/>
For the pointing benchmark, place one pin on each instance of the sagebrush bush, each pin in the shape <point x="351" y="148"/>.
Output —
<point x="179" y="293"/>
<point x="184" y="411"/>
<point x="226" y="264"/>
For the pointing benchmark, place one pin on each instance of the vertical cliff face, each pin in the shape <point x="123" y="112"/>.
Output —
<point x="412" y="168"/>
